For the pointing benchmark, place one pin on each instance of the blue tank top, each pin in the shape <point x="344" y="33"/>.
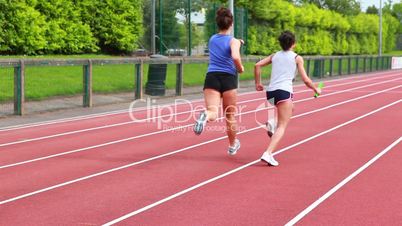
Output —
<point x="220" y="54"/>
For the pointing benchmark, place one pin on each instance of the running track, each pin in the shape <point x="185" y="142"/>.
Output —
<point x="340" y="165"/>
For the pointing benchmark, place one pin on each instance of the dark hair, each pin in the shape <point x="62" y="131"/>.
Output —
<point x="224" y="18"/>
<point x="286" y="40"/>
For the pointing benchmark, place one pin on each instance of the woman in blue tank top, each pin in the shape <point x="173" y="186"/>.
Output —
<point x="221" y="80"/>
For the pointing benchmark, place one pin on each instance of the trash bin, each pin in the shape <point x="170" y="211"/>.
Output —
<point x="155" y="85"/>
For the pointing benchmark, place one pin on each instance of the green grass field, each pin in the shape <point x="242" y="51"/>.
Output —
<point x="394" y="53"/>
<point x="42" y="82"/>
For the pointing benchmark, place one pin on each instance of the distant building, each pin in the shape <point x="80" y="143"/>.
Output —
<point x="197" y="18"/>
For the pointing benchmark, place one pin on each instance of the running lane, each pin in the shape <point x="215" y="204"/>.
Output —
<point x="105" y="197"/>
<point x="131" y="132"/>
<point x="13" y="135"/>
<point x="64" y="168"/>
<point x="373" y="197"/>
<point x="261" y="195"/>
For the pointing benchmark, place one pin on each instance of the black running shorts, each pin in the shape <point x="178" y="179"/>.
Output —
<point x="278" y="96"/>
<point x="220" y="81"/>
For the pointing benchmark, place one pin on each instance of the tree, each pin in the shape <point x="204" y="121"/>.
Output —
<point x="23" y="28"/>
<point x="346" y="7"/>
<point x="116" y="24"/>
<point x="397" y="13"/>
<point x="372" y="10"/>
<point x="65" y="32"/>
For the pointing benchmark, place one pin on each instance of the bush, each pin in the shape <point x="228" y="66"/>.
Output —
<point x="23" y="28"/>
<point x="318" y="31"/>
<point x="116" y="24"/>
<point x="69" y="26"/>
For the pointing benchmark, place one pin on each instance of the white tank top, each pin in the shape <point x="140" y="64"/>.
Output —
<point x="283" y="71"/>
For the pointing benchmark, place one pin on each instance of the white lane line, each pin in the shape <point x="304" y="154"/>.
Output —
<point x="185" y="126"/>
<point x="162" y="116"/>
<point x="380" y="75"/>
<point x="241" y="167"/>
<point x="181" y="150"/>
<point x="341" y="184"/>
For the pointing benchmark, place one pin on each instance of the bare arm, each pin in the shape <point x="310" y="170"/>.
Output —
<point x="257" y="72"/>
<point x="304" y="76"/>
<point x="235" y="45"/>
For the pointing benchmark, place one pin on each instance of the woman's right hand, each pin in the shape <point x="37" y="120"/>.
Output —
<point x="241" y="69"/>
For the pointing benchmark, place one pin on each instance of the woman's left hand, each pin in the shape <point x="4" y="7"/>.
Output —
<point x="259" y="87"/>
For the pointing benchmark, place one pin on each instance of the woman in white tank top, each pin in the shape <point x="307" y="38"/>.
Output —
<point x="285" y="65"/>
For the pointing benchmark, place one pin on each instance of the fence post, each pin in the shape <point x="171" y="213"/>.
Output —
<point x="340" y="67"/>
<point x="323" y="68"/>
<point x="389" y="62"/>
<point x="371" y="63"/>
<point x="331" y="66"/>
<point x="139" y="74"/>
<point x="179" y="78"/>
<point x="87" y="82"/>
<point x="349" y="65"/>
<point x="364" y="64"/>
<point x="308" y="66"/>
<point x="19" y="88"/>
<point x="357" y="65"/>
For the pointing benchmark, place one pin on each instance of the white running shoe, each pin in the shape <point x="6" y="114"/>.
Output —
<point x="200" y="123"/>
<point x="270" y="128"/>
<point x="269" y="159"/>
<point x="233" y="150"/>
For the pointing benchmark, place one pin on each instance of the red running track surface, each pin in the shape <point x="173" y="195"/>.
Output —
<point x="87" y="186"/>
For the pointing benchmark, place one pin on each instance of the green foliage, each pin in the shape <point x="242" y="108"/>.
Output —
<point x="23" y="28"/>
<point x="65" y="32"/>
<point x="69" y="26"/>
<point x="390" y="28"/>
<point x="318" y="31"/>
<point x="347" y="7"/>
<point x="117" y="24"/>
<point x="372" y="10"/>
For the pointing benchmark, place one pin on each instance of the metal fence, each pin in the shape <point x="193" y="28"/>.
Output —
<point x="183" y="27"/>
<point x="317" y="67"/>
<point x="6" y="91"/>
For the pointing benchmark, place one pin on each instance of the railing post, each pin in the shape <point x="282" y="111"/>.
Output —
<point x="308" y="66"/>
<point x="179" y="78"/>
<point x="357" y="65"/>
<point x="389" y="62"/>
<point x="371" y="63"/>
<point x="364" y="64"/>
<point x="349" y="65"/>
<point x="331" y="66"/>
<point x="323" y="73"/>
<point x="340" y="66"/>
<point x="386" y="63"/>
<point x="19" y="89"/>
<point x="87" y="83"/>
<point x="139" y="74"/>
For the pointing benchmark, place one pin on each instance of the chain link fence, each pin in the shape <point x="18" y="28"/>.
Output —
<point x="6" y="91"/>
<point x="183" y="27"/>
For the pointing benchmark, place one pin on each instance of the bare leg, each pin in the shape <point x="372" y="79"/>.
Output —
<point x="284" y="112"/>
<point x="229" y="108"/>
<point x="212" y="102"/>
